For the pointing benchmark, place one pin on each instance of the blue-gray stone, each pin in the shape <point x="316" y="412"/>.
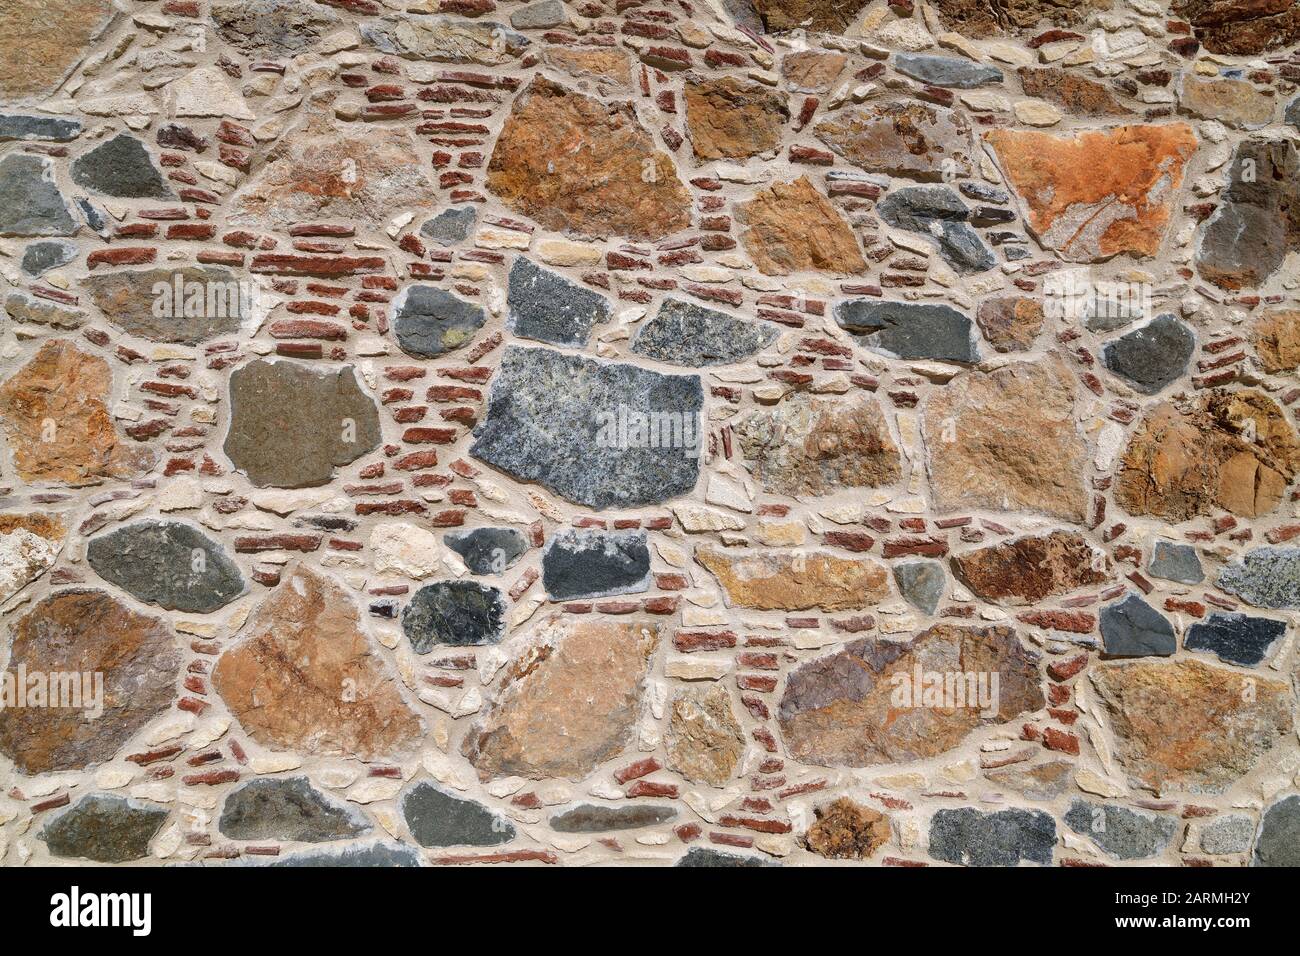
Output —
<point x="1121" y="832"/>
<point x="938" y="213"/>
<point x="1176" y="562"/>
<point x="549" y="308"/>
<point x="41" y="257"/>
<point x="450" y="226"/>
<point x="946" y="71"/>
<point x="104" y="828"/>
<point x="376" y="854"/>
<point x="121" y="167"/>
<point x="910" y="330"/>
<point x="1231" y="833"/>
<point x="683" y="333"/>
<point x="173" y="565"/>
<point x="589" y="563"/>
<point x="487" y="550"/>
<point x="1133" y="628"/>
<point x="1265" y="577"/>
<point x="597" y="818"/>
<point x="276" y="808"/>
<point x="558" y="419"/>
<point x="456" y="613"/>
<point x="93" y="217"/>
<point x="708" y="857"/>
<point x="1153" y="356"/>
<point x="921" y="584"/>
<point x="30" y="202"/>
<point x="970" y="837"/>
<point x="437" y="818"/>
<point x="1235" y="638"/>
<point x="49" y="128"/>
<point x="429" y="321"/>
<point x="1278" y="840"/>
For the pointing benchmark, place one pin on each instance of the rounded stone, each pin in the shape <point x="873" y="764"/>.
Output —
<point x="455" y="613"/>
<point x="172" y="565"/>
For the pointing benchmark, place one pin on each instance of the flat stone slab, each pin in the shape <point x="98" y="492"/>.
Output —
<point x="1133" y="628"/>
<point x="104" y="828"/>
<point x="173" y="565"/>
<point x="683" y="333"/>
<point x="909" y="330"/>
<point x="588" y="563"/>
<point x="969" y="837"/>
<point x="1235" y="638"/>
<point x="438" y="818"/>
<point x="273" y="808"/>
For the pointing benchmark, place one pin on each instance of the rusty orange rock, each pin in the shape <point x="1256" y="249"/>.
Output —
<point x="794" y="228"/>
<point x="1277" y="340"/>
<point x="728" y="119"/>
<point x="785" y="581"/>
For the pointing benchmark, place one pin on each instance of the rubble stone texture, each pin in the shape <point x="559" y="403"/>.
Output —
<point x="611" y="432"/>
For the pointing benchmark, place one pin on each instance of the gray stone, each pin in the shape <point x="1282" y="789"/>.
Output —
<point x="596" y="818"/>
<point x="450" y="226"/>
<point x="1133" y="628"/>
<point x="972" y="838"/>
<point x="436" y="818"/>
<point x="1119" y="831"/>
<point x="377" y="854"/>
<point x="557" y="420"/>
<point x="588" y="563"/>
<point x="683" y="333"/>
<point x="41" y="257"/>
<point x="1235" y="638"/>
<point x="708" y="857"/>
<point x="104" y="828"/>
<point x="455" y="613"/>
<point x="275" y="808"/>
<point x="910" y="330"/>
<point x="947" y="71"/>
<point x="182" y="306"/>
<point x="93" y="217"/>
<point x="50" y="128"/>
<point x="30" y="202"/>
<point x="1044" y="781"/>
<point x="121" y="167"/>
<point x="25" y="307"/>
<point x="487" y="550"/>
<point x="921" y="583"/>
<point x="1231" y="833"/>
<point x="429" y="321"/>
<point x="1291" y="116"/>
<point x="545" y="15"/>
<point x="983" y="191"/>
<point x="938" y="213"/>
<point x="173" y="565"/>
<point x="1176" y="562"/>
<point x="1278" y="840"/>
<point x="415" y="36"/>
<point x="1153" y="356"/>
<point x="272" y="27"/>
<point x="292" y="424"/>
<point x="549" y="308"/>
<point x="1265" y="577"/>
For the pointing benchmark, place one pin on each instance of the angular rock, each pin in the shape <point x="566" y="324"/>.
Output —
<point x="206" y="92"/>
<point x="1075" y="94"/>
<point x="415" y="36"/>
<point x="274" y="28"/>
<point x="399" y="547"/>
<point x="1183" y="725"/>
<point x="1175" y="562"/>
<point x="910" y="330"/>
<point x="921" y="583"/>
<point x="812" y="71"/>
<point x="1006" y="440"/>
<point x="30" y="201"/>
<point x="604" y="65"/>
<point x="1236" y="28"/>
<point x="860" y="706"/>
<point x="1290" y="116"/>
<point x="25" y="308"/>
<point x="169" y="564"/>
<point x="1133" y="628"/>
<point x="910" y="140"/>
<point x="1046" y="781"/>
<point x="104" y="828"/>
<point x="575" y="165"/>
<point x="288" y="808"/>
<point x="970" y="837"/>
<point x="1278" y="841"/>
<point x="1265" y="577"/>
<point x="429" y="321"/>
<point x="1276" y="335"/>
<point x="543" y="15"/>
<point x="86" y="632"/>
<point x="304" y="677"/>
<point x="181" y="306"/>
<point x="1029" y="569"/>
<point x="947" y="71"/>
<point x="29" y="546"/>
<point x="784" y="581"/>
<point x="589" y="563"/>
<point x="450" y="226"/>
<point x="41" y="257"/>
<point x="55" y="415"/>
<point x="705" y="741"/>
<point x="291" y="425"/>
<point x="1235" y="638"/>
<point x="1231" y="833"/>
<point x="704" y="856"/>
<point x="568" y="701"/>
<point x="791" y="227"/>
<point x="817" y="446"/>
<point x="547" y="307"/>
<point x="683" y="333"/>
<point x="44" y="40"/>
<point x="438" y="818"/>
<point x="1119" y="831"/>
<point x="454" y="613"/>
<point x="1098" y="193"/>
<point x="487" y="550"/>
<point x="938" y="213"/>
<point x="1011" y="323"/>
<point x="598" y="818"/>
<point x="981" y="19"/>
<point x="121" y="167"/>
<point x="728" y="118"/>
<point x="815" y="16"/>
<point x="377" y="854"/>
<point x="563" y="421"/>
<point x="847" y="831"/>
<point x="1153" y="356"/>
<point x="49" y="128"/>
<point x="1231" y="102"/>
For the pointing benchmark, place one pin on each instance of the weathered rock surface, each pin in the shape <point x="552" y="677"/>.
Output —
<point x="910" y="330"/>
<point x="1235" y="638"/>
<point x="847" y="831"/>
<point x="26" y="308"/>
<point x="703" y="856"/>
<point x="1152" y="357"/>
<point x="785" y="581"/>
<point x="121" y="167"/>
<point x="44" y="40"/>
<point x="1133" y="628"/>
<point x="921" y="583"/>
<point x="184" y="306"/>
<point x="1010" y="323"/>
<point x="819" y="16"/>
<point x="683" y="333"/>
<point x="1231" y="833"/>
<point x="450" y="226"/>
<point x="429" y="321"/>
<point x="488" y="550"/>
<point x="1176" y="562"/>
<point x="911" y="140"/>
<point x="1232" y="27"/>
<point x="21" y="127"/>
<point x="947" y="71"/>
<point x="29" y="546"/>
<point x="1265" y="577"/>
<point x="547" y="307"/>
<point x="1278" y="841"/>
<point x="705" y="741"/>
<point x="1276" y="335"/>
<point x="173" y="565"/>
<point x="1073" y="93"/>
<point x="1045" y="781"/>
<point x="445" y="39"/>
<point x="41" y="257"/>
<point x="273" y="27"/>
<point x="812" y="71"/>
<point x="104" y="828"/>
<point x="288" y="808"/>
<point x="938" y="213"/>
<point x="377" y="854"/>
<point x="1231" y="102"/>
<point x="30" y="201"/>
<point x="791" y="227"/>
<point x="970" y="837"/>
<point x="599" y="818"/>
<point x="1119" y="831"/>
<point x="438" y="818"/>
<point x="730" y="119"/>
<point x="455" y="613"/>
<point x="1031" y="568"/>
<point x="590" y="563"/>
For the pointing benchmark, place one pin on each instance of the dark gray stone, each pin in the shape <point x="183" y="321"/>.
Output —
<point x="429" y="321"/>
<point x="1292" y="114"/>
<point x="1235" y="638"/>
<point x="921" y="583"/>
<point x="49" y="128"/>
<point x="104" y="828"/>
<point x="173" y="565"/>
<point x="910" y="330"/>
<point x="549" y="308"/>
<point x="450" y="226"/>
<point x="377" y="854"/>
<point x="183" y="305"/>
<point x="456" y="613"/>
<point x="436" y="818"/>
<point x="274" y="808"/>
<point x="545" y="15"/>
<point x="947" y="71"/>
<point x="706" y="856"/>
<point x="41" y="257"/>
<point x="938" y="213"/>
<point x="556" y="419"/>
<point x="1133" y="628"/>
<point x="683" y="333"/>
<point x="1153" y="356"/>
<point x="972" y="838"/>
<point x="121" y="167"/>
<point x="589" y="563"/>
<point x="1227" y="834"/>
<point x="93" y="217"/>
<point x="272" y="27"/>
<point x="1119" y="831"/>
<point x="487" y="550"/>
<point x="594" y="818"/>
<point x="1176" y="562"/>
<point x="1278" y="840"/>
<point x="1265" y="577"/>
<point x="983" y="191"/>
<point x="30" y="202"/>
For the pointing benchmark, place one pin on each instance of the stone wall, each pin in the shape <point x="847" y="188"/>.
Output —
<point x="649" y="431"/>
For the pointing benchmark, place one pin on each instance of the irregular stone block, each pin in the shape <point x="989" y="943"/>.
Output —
<point x="1265" y="577"/>
<point x="791" y="227"/>
<point x="970" y="837"/>
<point x="588" y="563"/>
<point x="438" y="818"/>
<point x="121" y="167"/>
<point x="104" y="828"/>
<point x="172" y="565"/>
<point x="1235" y="638"/>
<point x="910" y="140"/>
<point x="547" y="307"/>
<point x="488" y="550"/>
<point x="429" y="321"/>
<point x="456" y="613"/>
<point x="1133" y="628"/>
<point x="597" y="818"/>
<point x="785" y="581"/>
<point x="1119" y="831"/>
<point x="705" y="741"/>
<point x="272" y="808"/>
<point x="1031" y="568"/>
<point x="683" y="333"/>
<point x="910" y="330"/>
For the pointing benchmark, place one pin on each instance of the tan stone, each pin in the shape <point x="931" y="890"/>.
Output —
<point x="812" y="71"/>
<point x="29" y="546"/>
<point x="1010" y="324"/>
<point x="785" y="581"/>
<point x="912" y="139"/>
<point x="705" y="741"/>
<point x="43" y="40"/>
<point x="847" y="831"/>
<point x="1028" y="569"/>
<point x="730" y="119"/>
<point x="794" y="228"/>
<point x="1076" y="94"/>
<point x="607" y="65"/>
<point x="1277" y="340"/>
<point x="1231" y="102"/>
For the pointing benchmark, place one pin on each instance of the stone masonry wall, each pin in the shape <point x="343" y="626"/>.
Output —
<point x="649" y="431"/>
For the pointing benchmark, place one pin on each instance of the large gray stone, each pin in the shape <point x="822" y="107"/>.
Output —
<point x="1235" y="638"/>
<point x="973" y="838"/>
<point x="683" y="333"/>
<point x="1121" y="832"/>
<point x="1133" y="628"/>
<point x="173" y="565"/>
<point x="30" y="202"/>
<point x="121" y="167"/>
<point x="458" y="613"/>
<point x="272" y="808"/>
<point x="547" y="307"/>
<point x="450" y="226"/>
<point x="1153" y="356"/>
<point x="1278" y="840"/>
<point x="1265" y="577"/>
<point x="589" y="563"/>
<point x="598" y="818"/>
<point x="910" y="330"/>
<point x="947" y="71"/>
<point x="1176" y="562"/>
<point x="104" y="828"/>
<point x="1230" y="833"/>
<point x="429" y="321"/>
<point x="376" y="854"/>
<point x="51" y="128"/>
<point x="938" y="213"/>
<point x="182" y="306"/>
<point x="437" y="818"/>
<point x="41" y="257"/>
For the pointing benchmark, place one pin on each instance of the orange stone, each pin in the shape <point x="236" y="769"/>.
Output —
<point x="794" y="228"/>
